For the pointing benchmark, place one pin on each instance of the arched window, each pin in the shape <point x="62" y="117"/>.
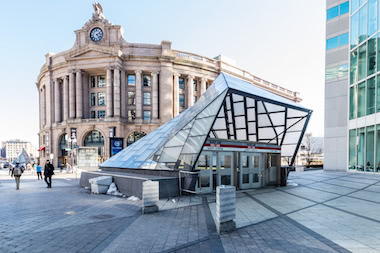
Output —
<point x="63" y="145"/>
<point x="135" y="136"/>
<point x="94" y="138"/>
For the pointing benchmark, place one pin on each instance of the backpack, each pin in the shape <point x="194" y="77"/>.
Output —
<point x="17" y="171"/>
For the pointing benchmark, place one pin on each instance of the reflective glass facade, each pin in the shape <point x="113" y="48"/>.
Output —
<point x="364" y="99"/>
<point x="337" y="10"/>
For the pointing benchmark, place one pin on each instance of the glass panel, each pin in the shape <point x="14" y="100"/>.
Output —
<point x="378" y="93"/>
<point x="371" y="56"/>
<point x="353" y="102"/>
<point x="181" y="83"/>
<point x="361" y="99"/>
<point x="131" y="98"/>
<point x="363" y="23"/>
<point x="92" y="85"/>
<point x="245" y="178"/>
<point x="241" y="135"/>
<point x="147" y="98"/>
<point x="344" y="8"/>
<point x="360" y="153"/>
<point x="332" y="12"/>
<point x="170" y="154"/>
<point x="225" y="162"/>
<point x="332" y="43"/>
<point x="178" y="139"/>
<point x="101" y="114"/>
<point x="354" y="67"/>
<point x="101" y="81"/>
<point x="239" y="109"/>
<point x="362" y="61"/>
<point x="378" y="50"/>
<point x="146" y="80"/>
<point x="343" y="39"/>
<point x="354" y="5"/>
<point x="371" y="96"/>
<point x="372" y="17"/>
<point x="378" y="148"/>
<point x="355" y="30"/>
<point x="182" y="100"/>
<point x="202" y="126"/>
<point x="147" y="115"/>
<point x="101" y="98"/>
<point x="93" y="99"/>
<point x="370" y="148"/>
<point x="240" y="122"/>
<point x="131" y="80"/>
<point x="352" y="149"/>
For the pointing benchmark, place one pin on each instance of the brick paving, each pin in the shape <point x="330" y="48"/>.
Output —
<point x="318" y="212"/>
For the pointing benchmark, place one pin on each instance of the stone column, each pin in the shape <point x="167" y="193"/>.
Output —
<point x="85" y="86"/>
<point x="176" y="94"/>
<point x="155" y="95"/>
<point x="203" y="86"/>
<point x="72" y="95"/>
<point x="57" y="99"/>
<point x="150" y="195"/>
<point x="116" y="92"/>
<point x="190" y="91"/>
<point x="138" y="96"/>
<point x="43" y="105"/>
<point x="65" y="98"/>
<point x="166" y="92"/>
<point x="225" y="208"/>
<point x="109" y="112"/>
<point x="79" y="95"/>
<point x="123" y="94"/>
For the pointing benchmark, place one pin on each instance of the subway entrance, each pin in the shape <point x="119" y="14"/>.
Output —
<point x="245" y="165"/>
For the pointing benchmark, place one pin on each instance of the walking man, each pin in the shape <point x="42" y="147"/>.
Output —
<point x="48" y="172"/>
<point x="39" y="171"/>
<point x="17" y="171"/>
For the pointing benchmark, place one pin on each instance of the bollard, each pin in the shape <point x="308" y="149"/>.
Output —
<point x="225" y="208"/>
<point x="150" y="195"/>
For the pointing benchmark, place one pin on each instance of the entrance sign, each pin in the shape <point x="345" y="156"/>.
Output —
<point x="116" y="145"/>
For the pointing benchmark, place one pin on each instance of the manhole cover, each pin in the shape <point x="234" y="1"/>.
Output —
<point x="102" y="216"/>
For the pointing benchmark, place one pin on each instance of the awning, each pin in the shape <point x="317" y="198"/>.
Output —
<point x="41" y="148"/>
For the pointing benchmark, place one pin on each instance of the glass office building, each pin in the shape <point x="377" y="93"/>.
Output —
<point x="364" y="87"/>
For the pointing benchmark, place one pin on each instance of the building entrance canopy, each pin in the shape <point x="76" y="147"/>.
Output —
<point x="230" y="109"/>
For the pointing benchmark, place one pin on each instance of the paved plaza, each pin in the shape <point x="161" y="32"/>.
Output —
<point x="318" y="212"/>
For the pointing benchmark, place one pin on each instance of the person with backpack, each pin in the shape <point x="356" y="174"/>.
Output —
<point x="17" y="171"/>
<point x="48" y="173"/>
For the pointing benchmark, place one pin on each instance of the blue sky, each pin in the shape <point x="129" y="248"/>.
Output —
<point x="280" y="41"/>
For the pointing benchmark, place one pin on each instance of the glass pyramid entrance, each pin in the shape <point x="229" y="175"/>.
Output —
<point x="230" y="109"/>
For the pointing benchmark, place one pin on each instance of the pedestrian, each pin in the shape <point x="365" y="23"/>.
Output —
<point x="39" y="171"/>
<point x="17" y="171"/>
<point x="48" y="172"/>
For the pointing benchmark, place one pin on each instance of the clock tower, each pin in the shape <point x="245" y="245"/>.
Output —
<point x="98" y="30"/>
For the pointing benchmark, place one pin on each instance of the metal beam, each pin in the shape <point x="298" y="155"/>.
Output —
<point x="233" y="115"/>
<point x="300" y="139"/>
<point x="246" y="117"/>
<point x="271" y="122"/>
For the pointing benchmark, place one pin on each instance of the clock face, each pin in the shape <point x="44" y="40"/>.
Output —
<point x="96" y="34"/>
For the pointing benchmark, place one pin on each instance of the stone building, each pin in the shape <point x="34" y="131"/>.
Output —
<point x="107" y="87"/>
<point x="12" y="149"/>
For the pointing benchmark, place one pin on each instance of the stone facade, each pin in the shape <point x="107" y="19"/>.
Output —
<point x="109" y="83"/>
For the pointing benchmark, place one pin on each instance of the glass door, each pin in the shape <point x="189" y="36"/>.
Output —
<point x="250" y="170"/>
<point x="225" y="171"/>
<point x="204" y="165"/>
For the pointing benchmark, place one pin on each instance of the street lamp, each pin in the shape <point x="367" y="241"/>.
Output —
<point x="73" y="141"/>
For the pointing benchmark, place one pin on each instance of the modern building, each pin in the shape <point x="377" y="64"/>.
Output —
<point x="362" y="83"/>
<point x="336" y="86"/>
<point x="107" y="87"/>
<point x="14" y="147"/>
<point x="234" y="134"/>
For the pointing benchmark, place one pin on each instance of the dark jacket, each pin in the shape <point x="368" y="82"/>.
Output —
<point x="49" y="170"/>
